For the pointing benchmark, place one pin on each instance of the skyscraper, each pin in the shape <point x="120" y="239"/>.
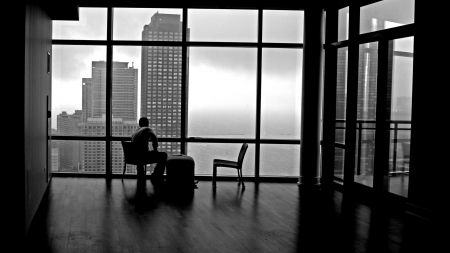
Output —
<point x="124" y="91"/>
<point x="161" y="78"/>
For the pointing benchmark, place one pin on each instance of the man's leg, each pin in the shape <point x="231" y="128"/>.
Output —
<point x="160" y="158"/>
<point x="140" y="170"/>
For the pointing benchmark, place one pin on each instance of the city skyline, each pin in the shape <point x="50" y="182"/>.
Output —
<point x="221" y="83"/>
<point x="230" y="69"/>
<point x="234" y="68"/>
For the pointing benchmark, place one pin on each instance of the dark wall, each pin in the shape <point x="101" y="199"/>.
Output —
<point x="429" y="148"/>
<point x="13" y="165"/>
<point x="38" y="43"/>
<point x="28" y="39"/>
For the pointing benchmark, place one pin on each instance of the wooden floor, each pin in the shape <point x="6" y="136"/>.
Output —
<point x="100" y="215"/>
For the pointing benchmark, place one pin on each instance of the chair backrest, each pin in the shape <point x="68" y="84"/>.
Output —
<point x="242" y="154"/>
<point x="129" y="152"/>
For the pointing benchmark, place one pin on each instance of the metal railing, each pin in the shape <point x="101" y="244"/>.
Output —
<point x="395" y="140"/>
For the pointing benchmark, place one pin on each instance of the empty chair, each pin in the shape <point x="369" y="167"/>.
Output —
<point x="231" y="164"/>
<point x="131" y="156"/>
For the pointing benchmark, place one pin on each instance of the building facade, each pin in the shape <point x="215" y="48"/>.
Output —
<point x="87" y="98"/>
<point x="93" y="152"/>
<point x="124" y="91"/>
<point x="69" y="152"/>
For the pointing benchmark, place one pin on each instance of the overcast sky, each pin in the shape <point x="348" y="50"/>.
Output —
<point x="220" y="78"/>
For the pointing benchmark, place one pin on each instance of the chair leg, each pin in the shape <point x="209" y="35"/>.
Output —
<point x="239" y="177"/>
<point x="214" y="176"/>
<point x="242" y="180"/>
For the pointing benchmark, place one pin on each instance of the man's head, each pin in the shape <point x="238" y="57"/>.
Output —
<point x="143" y="122"/>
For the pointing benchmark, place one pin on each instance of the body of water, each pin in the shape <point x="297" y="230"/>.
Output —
<point x="275" y="159"/>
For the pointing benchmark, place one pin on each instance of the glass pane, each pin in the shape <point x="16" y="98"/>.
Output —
<point x="341" y="94"/>
<point x="282" y="26"/>
<point x="91" y="26"/>
<point x="78" y="156"/>
<point x="366" y="111"/>
<point x="399" y="157"/>
<point x="281" y="93"/>
<point x="222" y="92"/>
<point x="401" y="87"/>
<point x="343" y="24"/>
<point x="386" y="14"/>
<point x="339" y="163"/>
<point x="401" y="93"/>
<point x="159" y="98"/>
<point x="205" y="153"/>
<point x="367" y="81"/>
<point x="78" y="90"/>
<point x="147" y="24"/>
<point x="365" y="154"/>
<point x="279" y="160"/>
<point x="223" y="25"/>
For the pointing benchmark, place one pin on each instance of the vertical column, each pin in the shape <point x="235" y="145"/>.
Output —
<point x="258" y="96"/>
<point x="109" y="80"/>
<point x="383" y="111"/>
<point x="352" y="96"/>
<point x="311" y="97"/>
<point x="184" y="64"/>
<point x="329" y="99"/>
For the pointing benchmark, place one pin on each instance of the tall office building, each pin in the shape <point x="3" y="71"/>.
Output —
<point x="69" y="152"/>
<point x="161" y="78"/>
<point x="124" y="91"/>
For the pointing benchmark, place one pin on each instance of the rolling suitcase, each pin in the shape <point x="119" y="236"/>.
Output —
<point x="180" y="171"/>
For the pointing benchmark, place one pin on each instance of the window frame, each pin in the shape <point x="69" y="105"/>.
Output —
<point x="184" y="44"/>
<point x="332" y="44"/>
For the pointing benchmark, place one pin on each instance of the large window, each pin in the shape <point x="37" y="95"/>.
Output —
<point x="370" y="50"/>
<point x="207" y="79"/>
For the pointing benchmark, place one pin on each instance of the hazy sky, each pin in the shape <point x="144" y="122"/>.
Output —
<point x="221" y="80"/>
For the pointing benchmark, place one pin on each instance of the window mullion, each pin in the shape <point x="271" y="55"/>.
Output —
<point x="352" y="95"/>
<point x="184" y="82"/>
<point x="258" y="95"/>
<point x="109" y="76"/>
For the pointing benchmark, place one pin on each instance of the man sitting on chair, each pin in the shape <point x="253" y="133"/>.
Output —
<point x="141" y="139"/>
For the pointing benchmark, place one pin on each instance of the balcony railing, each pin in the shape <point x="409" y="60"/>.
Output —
<point x="398" y="138"/>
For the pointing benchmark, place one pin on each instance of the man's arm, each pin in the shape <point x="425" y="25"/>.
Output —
<point x="154" y="140"/>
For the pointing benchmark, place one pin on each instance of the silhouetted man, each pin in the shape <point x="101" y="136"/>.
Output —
<point x="141" y="139"/>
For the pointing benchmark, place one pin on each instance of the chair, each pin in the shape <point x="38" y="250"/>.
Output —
<point x="131" y="156"/>
<point x="231" y="164"/>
